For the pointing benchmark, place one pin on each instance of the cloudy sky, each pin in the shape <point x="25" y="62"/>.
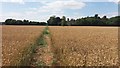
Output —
<point x="38" y="10"/>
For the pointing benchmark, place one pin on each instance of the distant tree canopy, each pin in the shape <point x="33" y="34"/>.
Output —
<point x="24" y="22"/>
<point x="95" y="20"/>
<point x="54" y="21"/>
<point x="57" y="21"/>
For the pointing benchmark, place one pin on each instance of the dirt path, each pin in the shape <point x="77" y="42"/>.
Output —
<point x="43" y="55"/>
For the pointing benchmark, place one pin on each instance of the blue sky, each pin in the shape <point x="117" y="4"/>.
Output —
<point x="42" y="10"/>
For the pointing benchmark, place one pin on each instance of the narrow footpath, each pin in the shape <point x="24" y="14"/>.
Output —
<point x="43" y="55"/>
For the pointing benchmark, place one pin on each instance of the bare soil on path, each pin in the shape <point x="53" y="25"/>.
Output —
<point x="43" y="55"/>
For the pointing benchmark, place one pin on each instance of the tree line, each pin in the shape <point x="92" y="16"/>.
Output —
<point x="57" y="21"/>
<point x="22" y="22"/>
<point x="87" y="21"/>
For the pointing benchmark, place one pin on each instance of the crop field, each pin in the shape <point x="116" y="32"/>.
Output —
<point x="85" y="46"/>
<point x="64" y="45"/>
<point x="17" y="41"/>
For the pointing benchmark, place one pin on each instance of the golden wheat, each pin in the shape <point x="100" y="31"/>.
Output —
<point x="15" y="40"/>
<point x="85" y="46"/>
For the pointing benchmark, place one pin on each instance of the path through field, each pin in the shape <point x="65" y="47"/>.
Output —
<point x="79" y="46"/>
<point x="61" y="46"/>
<point x="43" y="55"/>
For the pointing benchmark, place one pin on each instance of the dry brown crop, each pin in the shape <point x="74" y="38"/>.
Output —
<point x="16" y="42"/>
<point x="85" y="46"/>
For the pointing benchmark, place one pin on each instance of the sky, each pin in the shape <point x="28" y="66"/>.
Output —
<point x="41" y="10"/>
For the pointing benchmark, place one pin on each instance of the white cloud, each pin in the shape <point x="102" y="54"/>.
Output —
<point x="44" y="1"/>
<point x="65" y="5"/>
<point x="58" y="7"/>
<point x="49" y="8"/>
<point x="115" y="1"/>
<point x="55" y="8"/>
<point x="14" y="1"/>
<point x="14" y="14"/>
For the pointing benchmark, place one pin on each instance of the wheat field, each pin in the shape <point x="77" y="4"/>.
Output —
<point x="70" y="45"/>
<point x="16" y="42"/>
<point x="84" y="45"/>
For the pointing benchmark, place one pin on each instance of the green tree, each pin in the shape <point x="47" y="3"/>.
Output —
<point x="68" y="22"/>
<point x="25" y="22"/>
<point x="52" y="20"/>
<point x="19" y="22"/>
<point x="96" y="16"/>
<point x="114" y="20"/>
<point x="63" y="21"/>
<point x="10" y="21"/>
<point x="58" y="20"/>
<point x="104" y="20"/>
